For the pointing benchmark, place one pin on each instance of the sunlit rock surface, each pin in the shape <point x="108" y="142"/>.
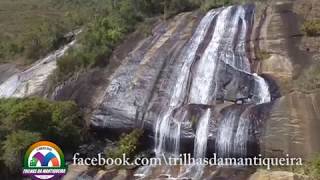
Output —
<point x="34" y="79"/>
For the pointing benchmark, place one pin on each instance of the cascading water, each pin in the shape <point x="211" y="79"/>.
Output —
<point x="224" y="142"/>
<point x="186" y="94"/>
<point x="204" y="83"/>
<point x="229" y="143"/>
<point x="240" y="60"/>
<point x="262" y="93"/>
<point x="233" y="39"/>
<point x="202" y="135"/>
<point x="227" y="45"/>
<point x="202" y="87"/>
<point x="179" y="91"/>
<point x="242" y="134"/>
<point x="200" y="144"/>
<point x="167" y="135"/>
<point x="167" y="130"/>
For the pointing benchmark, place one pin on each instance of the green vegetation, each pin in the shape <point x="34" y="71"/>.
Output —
<point x="194" y="121"/>
<point x="311" y="28"/>
<point x="108" y="29"/>
<point x="104" y="33"/>
<point x="15" y="146"/>
<point x="24" y="121"/>
<point x="30" y="29"/>
<point x="100" y="38"/>
<point x="262" y="55"/>
<point x="309" y="168"/>
<point x="127" y="144"/>
<point x="313" y="167"/>
<point x="39" y="27"/>
<point x="210" y="4"/>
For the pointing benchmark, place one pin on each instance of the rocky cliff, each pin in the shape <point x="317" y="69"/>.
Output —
<point x="224" y="81"/>
<point x="294" y="120"/>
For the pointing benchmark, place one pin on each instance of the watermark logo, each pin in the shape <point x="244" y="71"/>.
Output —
<point x="44" y="160"/>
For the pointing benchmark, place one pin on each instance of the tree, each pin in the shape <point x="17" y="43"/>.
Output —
<point x="57" y="121"/>
<point x="127" y="144"/>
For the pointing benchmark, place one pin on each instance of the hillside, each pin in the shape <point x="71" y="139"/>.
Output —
<point x="30" y="29"/>
<point x="155" y="79"/>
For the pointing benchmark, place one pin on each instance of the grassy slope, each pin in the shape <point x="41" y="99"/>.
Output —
<point x="18" y="18"/>
<point x="21" y="21"/>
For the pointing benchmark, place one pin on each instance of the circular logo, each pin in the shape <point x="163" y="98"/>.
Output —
<point x="44" y="160"/>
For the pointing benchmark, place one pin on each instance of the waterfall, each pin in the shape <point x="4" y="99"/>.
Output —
<point x="230" y="50"/>
<point x="242" y="134"/>
<point x="224" y="139"/>
<point x="33" y="79"/>
<point x="167" y="138"/>
<point x="200" y="143"/>
<point x="201" y="90"/>
<point x="233" y="130"/>
<point x="262" y="93"/>
<point x="229" y="143"/>
<point x="228" y="45"/>
<point x="167" y="130"/>
<point x="189" y="56"/>
<point x="240" y="52"/>
<point x="202" y="135"/>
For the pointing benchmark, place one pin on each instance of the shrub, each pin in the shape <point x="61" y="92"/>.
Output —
<point x="68" y="64"/>
<point x="311" y="168"/>
<point x="176" y="6"/>
<point x="100" y="38"/>
<point x="25" y="121"/>
<point x="41" y="40"/>
<point x="145" y="28"/>
<point x="128" y="144"/>
<point x="56" y="121"/>
<point x="40" y="29"/>
<point x="315" y="167"/>
<point x="15" y="146"/>
<point x="262" y="55"/>
<point x="315" y="164"/>
<point x="121" y="17"/>
<point x="311" y="28"/>
<point x="210" y="4"/>
<point x="151" y="7"/>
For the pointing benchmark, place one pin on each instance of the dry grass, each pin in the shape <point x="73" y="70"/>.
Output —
<point x="262" y="55"/>
<point x="22" y="21"/>
<point x="311" y="28"/>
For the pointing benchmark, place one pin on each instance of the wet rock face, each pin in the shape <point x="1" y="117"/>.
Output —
<point x="133" y="83"/>
<point x="234" y="84"/>
<point x="274" y="87"/>
<point x="166" y="74"/>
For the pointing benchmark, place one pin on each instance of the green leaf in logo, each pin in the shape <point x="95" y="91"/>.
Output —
<point x="33" y="162"/>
